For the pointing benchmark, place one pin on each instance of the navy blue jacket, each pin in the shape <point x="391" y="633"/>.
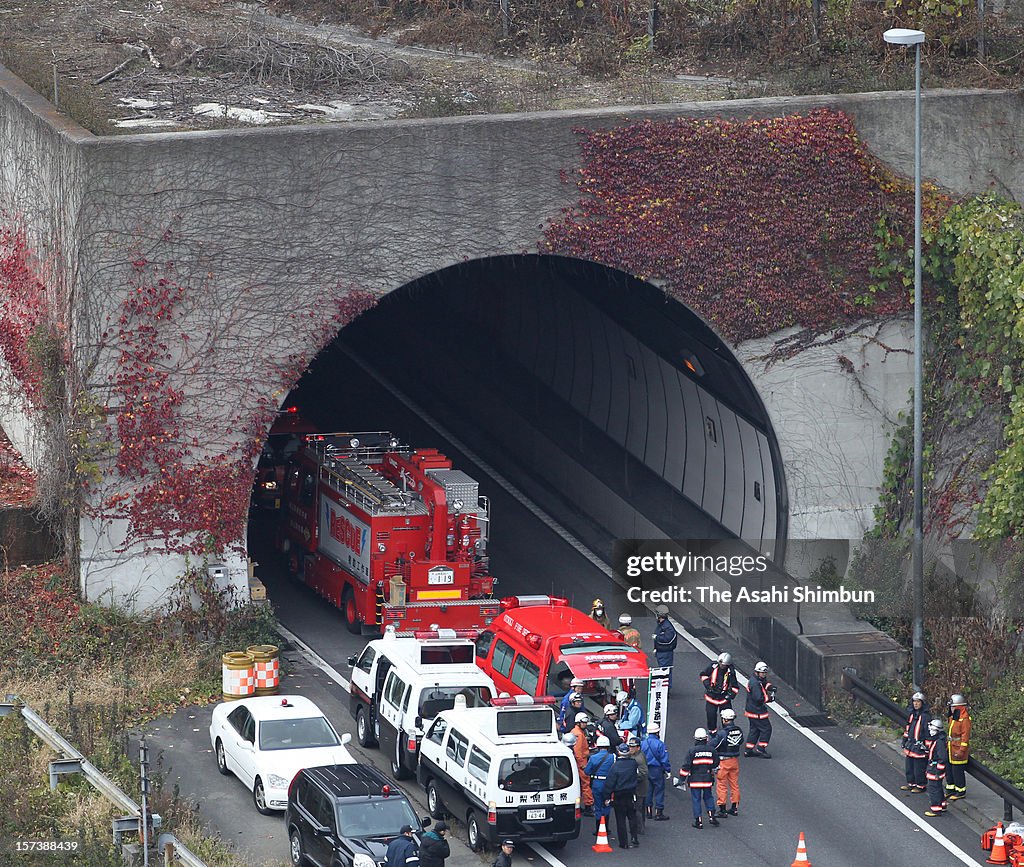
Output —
<point x="665" y="638"/>
<point x="623" y="778"/>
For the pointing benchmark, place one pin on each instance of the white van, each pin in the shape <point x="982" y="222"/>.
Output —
<point x="400" y="683"/>
<point x="504" y="771"/>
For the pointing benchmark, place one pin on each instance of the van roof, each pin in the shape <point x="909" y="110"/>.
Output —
<point x="484" y="721"/>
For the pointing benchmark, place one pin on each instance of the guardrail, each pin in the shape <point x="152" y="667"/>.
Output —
<point x="73" y="762"/>
<point x="1011" y="795"/>
<point x="173" y="849"/>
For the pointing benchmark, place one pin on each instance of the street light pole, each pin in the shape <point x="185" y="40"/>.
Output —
<point x="900" y="36"/>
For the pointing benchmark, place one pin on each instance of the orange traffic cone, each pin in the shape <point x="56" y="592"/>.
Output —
<point x="801" y="854"/>
<point x="602" y="839"/>
<point x="998" y="848"/>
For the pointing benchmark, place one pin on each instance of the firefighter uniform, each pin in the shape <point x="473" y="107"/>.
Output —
<point x="631" y="635"/>
<point x="698" y="770"/>
<point x="658" y="765"/>
<point x="959" y="746"/>
<point x="935" y="761"/>
<point x="914" y="748"/>
<point x="727" y="743"/>
<point x="597" y="769"/>
<point x="597" y="611"/>
<point x="720" y="688"/>
<point x="582" y="753"/>
<point x="760" y="693"/>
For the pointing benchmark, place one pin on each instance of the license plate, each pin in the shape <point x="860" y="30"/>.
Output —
<point x="535" y="814"/>
<point x="441" y="576"/>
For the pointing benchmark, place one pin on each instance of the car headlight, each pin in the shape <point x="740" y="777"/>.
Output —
<point x="362" y="860"/>
<point x="276" y="781"/>
<point x="270" y="486"/>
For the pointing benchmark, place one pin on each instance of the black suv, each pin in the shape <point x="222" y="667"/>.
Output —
<point x="345" y="816"/>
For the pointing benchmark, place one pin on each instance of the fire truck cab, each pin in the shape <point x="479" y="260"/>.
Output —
<point x="539" y="643"/>
<point x="283" y="442"/>
<point x="400" y="683"/>
<point x="389" y="534"/>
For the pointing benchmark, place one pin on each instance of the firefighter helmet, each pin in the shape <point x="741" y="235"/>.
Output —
<point x="625" y="620"/>
<point x="700" y="734"/>
<point x="957" y="700"/>
<point x="610" y="709"/>
<point x="602" y="741"/>
<point x="917" y="696"/>
<point x="569" y="739"/>
<point x="622" y="696"/>
<point x="597" y="603"/>
<point x="934" y="727"/>
<point x="582" y="718"/>
<point x="761" y="668"/>
<point x="728" y="715"/>
<point x="724" y="659"/>
<point x="575" y="697"/>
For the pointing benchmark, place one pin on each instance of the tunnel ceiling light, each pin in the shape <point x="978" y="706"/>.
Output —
<point x="692" y="364"/>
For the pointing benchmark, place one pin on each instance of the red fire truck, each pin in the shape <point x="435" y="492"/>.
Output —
<point x="389" y="534"/>
<point x="283" y="441"/>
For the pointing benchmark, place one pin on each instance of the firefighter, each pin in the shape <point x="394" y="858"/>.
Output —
<point x="608" y="726"/>
<point x="568" y="717"/>
<point x="720" y="688"/>
<point x="599" y="614"/>
<point x="620" y="793"/>
<point x="959" y="746"/>
<point x="630" y="634"/>
<point x="575" y="686"/>
<point x="581" y="751"/>
<point x="727" y="744"/>
<point x="698" y="771"/>
<point x="665" y="640"/>
<point x="659" y="768"/>
<point x="631" y="716"/>
<point x="598" y="766"/>
<point x="643" y="782"/>
<point x="760" y="693"/>
<point x="935" y="768"/>
<point x="914" y="747"/>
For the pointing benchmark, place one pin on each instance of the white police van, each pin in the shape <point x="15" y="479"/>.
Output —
<point x="400" y="683"/>
<point x="504" y="771"/>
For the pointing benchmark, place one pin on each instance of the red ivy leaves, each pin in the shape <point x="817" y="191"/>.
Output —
<point x="17" y="481"/>
<point x="758" y="225"/>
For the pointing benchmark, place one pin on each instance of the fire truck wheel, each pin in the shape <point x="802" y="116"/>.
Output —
<point x="363" y="730"/>
<point x="348" y="606"/>
<point x="434" y="803"/>
<point x="398" y="769"/>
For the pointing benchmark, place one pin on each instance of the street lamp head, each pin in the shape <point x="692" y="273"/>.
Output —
<point x="902" y="36"/>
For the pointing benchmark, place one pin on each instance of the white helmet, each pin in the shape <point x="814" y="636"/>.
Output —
<point x="610" y="709"/>
<point x="935" y="726"/>
<point x="724" y="659"/>
<point x="761" y="667"/>
<point x="622" y="696"/>
<point x="700" y="734"/>
<point x="728" y="714"/>
<point x="602" y="741"/>
<point x="569" y="739"/>
<point x="583" y="718"/>
<point x="917" y="696"/>
<point x="957" y="700"/>
<point x="625" y="620"/>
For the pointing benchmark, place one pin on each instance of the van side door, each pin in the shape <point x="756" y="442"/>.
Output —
<point x="389" y="710"/>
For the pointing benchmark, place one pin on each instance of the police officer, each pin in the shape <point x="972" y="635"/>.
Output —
<point x="581" y="751"/>
<point x="608" y="725"/>
<point x="727" y="743"/>
<point x="403" y="851"/>
<point x="720" y="688"/>
<point x="959" y="746"/>
<point x="504" y="858"/>
<point x="598" y="768"/>
<point x="643" y="785"/>
<point x="568" y="717"/>
<point x="914" y="747"/>
<point x="698" y="770"/>
<point x="760" y="693"/>
<point x="659" y="768"/>
<point x="631" y="715"/>
<point x="935" y="769"/>
<point x="597" y="611"/>
<point x="665" y="640"/>
<point x="630" y="634"/>
<point x="620" y="793"/>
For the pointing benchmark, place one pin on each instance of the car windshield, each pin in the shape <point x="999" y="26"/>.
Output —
<point x="381" y="817"/>
<point x="538" y="774"/>
<point x="297" y="734"/>
<point x="595" y="647"/>
<point x="435" y="699"/>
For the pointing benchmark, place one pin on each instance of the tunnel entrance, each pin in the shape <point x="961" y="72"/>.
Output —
<point x="618" y="402"/>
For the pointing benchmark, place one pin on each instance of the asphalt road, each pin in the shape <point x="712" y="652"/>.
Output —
<point x="846" y="824"/>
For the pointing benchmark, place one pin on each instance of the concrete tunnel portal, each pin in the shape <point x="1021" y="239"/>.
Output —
<point x="595" y="384"/>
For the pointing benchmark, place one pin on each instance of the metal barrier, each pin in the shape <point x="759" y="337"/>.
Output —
<point x="1011" y="795"/>
<point x="174" y="849"/>
<point x="73" y="762"/>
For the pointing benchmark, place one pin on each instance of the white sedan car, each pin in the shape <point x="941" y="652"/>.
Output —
<point x="266" y="741"/>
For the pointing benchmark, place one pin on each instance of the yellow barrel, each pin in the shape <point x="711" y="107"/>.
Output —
<point x="238" y="676"/>
<point x="265" y="668"/>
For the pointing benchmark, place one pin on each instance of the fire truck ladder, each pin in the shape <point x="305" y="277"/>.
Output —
<point x="347" y="468"/>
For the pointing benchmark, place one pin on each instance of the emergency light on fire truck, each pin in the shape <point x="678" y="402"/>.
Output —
<point x="390" y="534"/>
